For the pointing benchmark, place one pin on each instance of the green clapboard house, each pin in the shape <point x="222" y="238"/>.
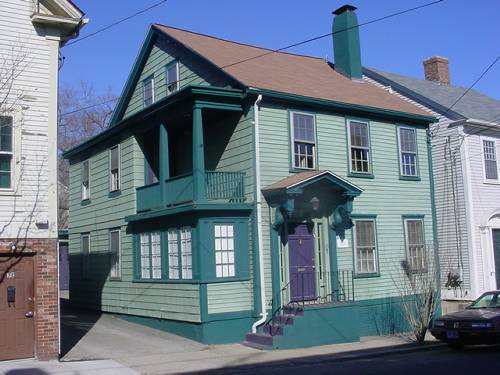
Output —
<point x="241" y="194"/>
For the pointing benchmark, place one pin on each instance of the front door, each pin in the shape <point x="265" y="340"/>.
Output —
<point x="496" y="250"/>
<point x="16" y="307"/>
<point x="301" y="263"/>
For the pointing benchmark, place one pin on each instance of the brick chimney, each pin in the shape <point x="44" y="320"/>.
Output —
<point x="436" y="69"/>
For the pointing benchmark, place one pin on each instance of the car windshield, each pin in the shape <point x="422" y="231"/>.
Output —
<point x="486" y="301"/>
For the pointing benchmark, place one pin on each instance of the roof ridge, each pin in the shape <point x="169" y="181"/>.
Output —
<point x="239" y="43"/>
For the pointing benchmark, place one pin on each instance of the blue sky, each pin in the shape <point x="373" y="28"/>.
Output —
<point x="464" y="31"/>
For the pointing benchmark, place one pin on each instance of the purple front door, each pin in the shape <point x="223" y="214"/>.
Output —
<point x="301" y="263"/>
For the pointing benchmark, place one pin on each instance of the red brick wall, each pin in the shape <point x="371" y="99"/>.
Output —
<point x="46" y="293"/>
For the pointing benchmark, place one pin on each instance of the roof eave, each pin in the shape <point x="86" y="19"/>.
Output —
<point x="413" y="95"/>
<point x="345" y="107"/>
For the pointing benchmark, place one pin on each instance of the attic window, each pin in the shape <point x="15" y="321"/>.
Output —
<point x="172" y="77"/>
<point x="149" y="91"/>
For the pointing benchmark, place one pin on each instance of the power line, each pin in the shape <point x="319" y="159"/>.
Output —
<point x="116" y="23"/>
<point x="194" y="76"/>
<point x="466" y="91"/>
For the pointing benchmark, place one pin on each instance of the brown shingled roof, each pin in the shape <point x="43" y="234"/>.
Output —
<point x="287" y="72"/>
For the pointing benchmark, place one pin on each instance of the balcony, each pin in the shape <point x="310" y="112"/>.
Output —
<point x="220" y="187"/>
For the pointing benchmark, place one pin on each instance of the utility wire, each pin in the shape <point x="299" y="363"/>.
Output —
<point x="434" y="133"/>
<point x="116" y="23"/>
<point x="194" y="76"/>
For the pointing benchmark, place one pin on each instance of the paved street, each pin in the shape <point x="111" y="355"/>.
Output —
<point x="442" y="360"/>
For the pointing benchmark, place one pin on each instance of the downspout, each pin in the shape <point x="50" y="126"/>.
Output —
<point x="258" y="203"/>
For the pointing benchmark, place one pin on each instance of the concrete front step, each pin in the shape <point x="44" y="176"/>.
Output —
<point x="259" y="340"/>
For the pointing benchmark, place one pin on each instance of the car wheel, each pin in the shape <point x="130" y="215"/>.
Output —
<point x="456" y="345"/>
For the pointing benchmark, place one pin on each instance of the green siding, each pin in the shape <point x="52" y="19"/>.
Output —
<point x="191" y="72"/>
<point x="385" y="195"/>
<point x="159" y="300"/>
<point x="229" y="297"/>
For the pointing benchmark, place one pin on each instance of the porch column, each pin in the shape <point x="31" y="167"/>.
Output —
<point x="164" y="163"/>
<point x="198" y="156"/>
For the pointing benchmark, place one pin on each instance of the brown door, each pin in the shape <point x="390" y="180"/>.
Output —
<point x="16" y="307"/>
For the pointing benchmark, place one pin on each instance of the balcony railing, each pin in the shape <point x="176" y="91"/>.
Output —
<point x="224" y="187"/>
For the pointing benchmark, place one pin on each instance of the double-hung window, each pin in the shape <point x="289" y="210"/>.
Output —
<point x="180" y="256"/>
<point x="415" y="244"/>
<point x="150" y="256"/>
<point x="359" y="147"/>
<point x="114" y="168"/>
<point x="224" y="250"/>
<point x="490" y="160"/>
<point x="408" y="152"/>
<point x="85" y="180"/>
<point x="6" y="152"/>
<point x="365" y="244"/>
<point x="85" y="243"/>
<point x="172" y="77"/>
<point x="114" y="250"/>
<point x="304" y="140"/>
<point x="149" y="91"/>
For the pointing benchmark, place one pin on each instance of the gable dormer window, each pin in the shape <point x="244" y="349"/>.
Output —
<point x="149" y="91"/>
<point x="172" y="77"/>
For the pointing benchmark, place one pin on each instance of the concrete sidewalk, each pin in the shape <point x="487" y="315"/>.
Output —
<point x="33" y="367"/>
<point x="224" y="357"/>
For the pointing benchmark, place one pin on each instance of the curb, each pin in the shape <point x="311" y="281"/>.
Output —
<point x="330" y="358"/>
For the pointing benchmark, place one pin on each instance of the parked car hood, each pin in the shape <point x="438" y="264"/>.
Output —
<point x="471" y="314"/>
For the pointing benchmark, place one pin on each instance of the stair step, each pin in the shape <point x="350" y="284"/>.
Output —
<point x="273" y="329"/>
<point x="285" y="319"/>
<point x="259" y="340"/>
<point x="293" y="310"/>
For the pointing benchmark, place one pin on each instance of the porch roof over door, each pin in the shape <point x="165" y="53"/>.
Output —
<point x="297" y="182"/>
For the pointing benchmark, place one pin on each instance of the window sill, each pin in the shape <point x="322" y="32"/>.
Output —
<point x="116" y="278"/>
<point x="224" y="280"/>
<point x="409" y="178"/>
<point x="165" y="281"/>
<point x="9" y="192"/>
<point x="85" y="202"/>
<point x="361" y="175"/>
<point x="491" y="182"/>
<point x="366" y="275"/>
<point x="298" y="170"/>
<point x="114" y="193"/>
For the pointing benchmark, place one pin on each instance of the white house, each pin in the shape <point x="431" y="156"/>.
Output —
<point x="465" y="153"/>
<point x="31" y="33"/>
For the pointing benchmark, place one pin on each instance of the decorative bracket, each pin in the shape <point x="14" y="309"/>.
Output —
<point x="342" y="217"/>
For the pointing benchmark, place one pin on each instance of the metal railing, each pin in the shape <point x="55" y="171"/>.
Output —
<point x="309" y="287"/>
<point x="225" y="185"/>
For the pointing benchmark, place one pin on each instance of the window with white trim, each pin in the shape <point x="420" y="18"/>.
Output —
<point x="173" y="254"/>
<point x="408" y="152"/>
<point x="114" y="168"/>
<point x="149" y="91"/>
<point x="6" y="152"/>
<point x="180" y="255"/>
<point x="114" y="250"/>
<point x="85" y="180"/>
<point x="224" y="250"/>
<point x="415" y="244"/>
<point x="359" y="147"/>
<point x="150" y="256"/>
<point x="490" y="160"/>
<point x="85" y="243"/>
<point x="172" y="77"/>
<point x="186" y="254"/>
<point x="365" y="243"/>
<point x="304" y="140"/>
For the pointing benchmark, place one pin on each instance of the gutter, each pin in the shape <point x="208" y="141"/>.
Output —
<point x="258" y="202"/>
<point x="346" y="107"/>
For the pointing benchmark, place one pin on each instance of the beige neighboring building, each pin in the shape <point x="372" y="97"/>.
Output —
<point x="31" y="34"/>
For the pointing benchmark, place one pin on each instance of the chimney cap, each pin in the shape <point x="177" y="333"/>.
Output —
<point x="344" y="8"/>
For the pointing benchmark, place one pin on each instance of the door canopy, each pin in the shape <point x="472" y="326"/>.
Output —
<point x="313" y="194"/>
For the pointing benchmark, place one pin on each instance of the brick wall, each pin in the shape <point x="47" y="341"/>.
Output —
<point x="46" y="293"/>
